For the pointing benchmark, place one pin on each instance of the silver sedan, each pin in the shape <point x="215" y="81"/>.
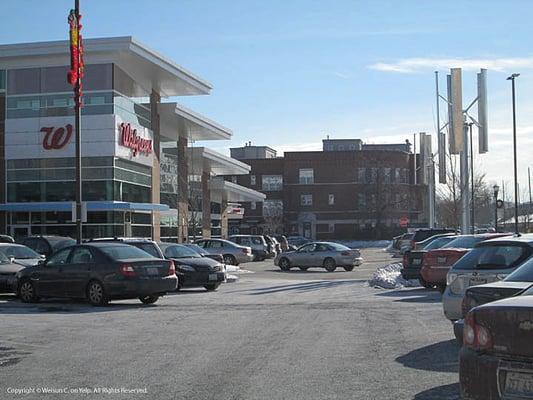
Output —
<point x="327" y="255"/>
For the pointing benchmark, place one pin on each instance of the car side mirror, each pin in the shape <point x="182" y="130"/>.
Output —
<point x="11" y="259"/>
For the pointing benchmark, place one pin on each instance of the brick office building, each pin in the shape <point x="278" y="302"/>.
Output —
<point x="349" y="190"/>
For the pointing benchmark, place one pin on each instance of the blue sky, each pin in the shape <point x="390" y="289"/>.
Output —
<point x="286" y="73"/>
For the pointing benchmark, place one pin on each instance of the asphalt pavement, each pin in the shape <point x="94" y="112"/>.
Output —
<point x="270" y="335"/>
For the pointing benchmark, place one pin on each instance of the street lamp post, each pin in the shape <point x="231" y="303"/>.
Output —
<point x="512" y="79"/>
<point x="496" y="189"/>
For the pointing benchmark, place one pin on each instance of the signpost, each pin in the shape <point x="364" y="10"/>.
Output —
<point x="74" y="78"/>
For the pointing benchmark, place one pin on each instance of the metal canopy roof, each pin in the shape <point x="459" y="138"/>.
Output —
<point x="229" y="191"/>
<point x="203" y="159"/>
<point x="146" y="67"/>
<point x="177" y="120"/>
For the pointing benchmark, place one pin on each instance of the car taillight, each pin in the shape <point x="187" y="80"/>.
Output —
<point x="171" y="268"/>
<point x="246" y="251"/>
<point x="476" y="336"/>
<point x="127" y="270"/>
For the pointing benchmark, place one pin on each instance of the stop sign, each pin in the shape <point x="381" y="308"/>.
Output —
<point x="404" y="221"/>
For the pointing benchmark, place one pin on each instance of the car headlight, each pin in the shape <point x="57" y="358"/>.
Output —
<point x="186" y="268"/>
<point x="218" y="267"/>
<point x="450" y="277"/>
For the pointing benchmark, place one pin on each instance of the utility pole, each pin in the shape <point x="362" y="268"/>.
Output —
<point x="512" y="79"/>
<point x="529" y="206"/>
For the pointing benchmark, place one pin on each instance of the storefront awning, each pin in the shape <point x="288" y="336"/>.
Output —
<point x="231" y="192"/>
<point x="66" y="206"/>
<point x="203" y="159"/>
<point x="177" y="120"/>
<point x="146" y="67"/>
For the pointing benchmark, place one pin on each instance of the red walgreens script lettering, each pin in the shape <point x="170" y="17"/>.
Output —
<point x="56" y="139"/>
<point x="130" y="139"/>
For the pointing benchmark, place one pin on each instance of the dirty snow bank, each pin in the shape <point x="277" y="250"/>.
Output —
<point x="232" y="268"/>
<point x="389" y="277"/>
<point x="364" y="244"/>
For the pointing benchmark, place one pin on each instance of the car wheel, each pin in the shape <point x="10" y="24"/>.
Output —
<point x="27" y="292"/>
<point x="349" y="268"/>
<point x="212" y="287"/>
<point x="330" y="265"/>
<point x="150" y="299"/>
<point x="304" y="268"/>
<point x="284" y="264"/>
<point x="229" y="259"/>
<point x="96" y="294"/>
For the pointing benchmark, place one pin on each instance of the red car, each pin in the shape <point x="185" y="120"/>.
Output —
<point x="437" y="263"/>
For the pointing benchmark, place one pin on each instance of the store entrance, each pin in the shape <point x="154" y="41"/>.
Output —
<point x="18" y="231"/>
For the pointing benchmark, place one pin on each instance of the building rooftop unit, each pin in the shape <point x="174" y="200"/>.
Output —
<point x="249" y="152"/>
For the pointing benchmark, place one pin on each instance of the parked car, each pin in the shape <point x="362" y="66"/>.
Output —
<point x="8" y="274"/>
<point x="277" y="245"/>
<point x="20" y="254"/>
<point x="271" y="246"/>
<point x="489" y="261"/>
<point x="402" y="242"/>
<point x="412" y="260"/>
<point x="46" y="245"/>
<point x="283" y="242"/>
<point x="144" y="244"/>
<point x="192" y="269"/>
<point x="232" y="253"/>
<point x="496" y="360"/>
<point x="438" y="262"/>
<point x="6" y="239"/>
<point x="424" y="233"/>
<point x="99" y="272"/>
<point x="514" y="284"/>
<point x="320" y="254"/>
<point x="204" y="253"/>
<point x="256" y="242"/>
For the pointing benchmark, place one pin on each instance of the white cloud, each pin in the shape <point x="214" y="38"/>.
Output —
<point x="413" y="65"/>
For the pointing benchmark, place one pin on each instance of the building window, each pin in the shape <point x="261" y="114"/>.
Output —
<point x="307" y="176"/>
<point x="331" y="199"/>
<point x="252" y="180"/>
<point x="387" y="175"/>
<point x="397" y="176"/>
<point x="253" y="205"/>
<point x="361" y="200"/>
<point x="306" y="199"/>
<point x="331" y="228"/>
<point x="361" y="175"/>
<point x="272" y="183"/>
<point x="373" y="175"/>
<point x="273" y="209"/>
<point x="341" y="147"/>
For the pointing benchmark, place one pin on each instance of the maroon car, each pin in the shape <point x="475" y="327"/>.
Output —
<point x="496" y="361"/>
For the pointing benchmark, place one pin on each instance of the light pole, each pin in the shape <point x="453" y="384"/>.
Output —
<point x="496" y="189"/>
<point x="512" y="79"/>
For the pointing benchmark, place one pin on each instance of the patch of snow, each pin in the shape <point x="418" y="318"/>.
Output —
<point x="232" y="268"/>
<point x="231" y="278"/>
<point x="390" y="277"/>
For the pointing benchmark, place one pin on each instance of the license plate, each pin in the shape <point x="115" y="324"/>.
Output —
<point x="213" y="277"/>
<point x="152" y="271"/>
<point x="417" y="261"/>
<point x="519" y="384"/>
<point x="477" y="281"/>
<point x="441" y="260"/>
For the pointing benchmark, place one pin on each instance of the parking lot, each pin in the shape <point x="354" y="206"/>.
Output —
<point x="270" y="335"/>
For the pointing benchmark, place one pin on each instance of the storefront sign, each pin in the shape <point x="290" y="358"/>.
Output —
<point x="130" y="139"/>
<point x="55" y="139"/>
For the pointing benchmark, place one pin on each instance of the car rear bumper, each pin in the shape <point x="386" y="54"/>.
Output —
<point x="410" y="273"/>
<point x="202" y="278"/>
<point x="478" y="375"/>
<point x="451" y="304"/>
<point x="259" y="254"/>
<point x="8" y="283"/>
<point x="435" y="274"/>
<point x="142" y="286"/>
<point x="244" y="258"/>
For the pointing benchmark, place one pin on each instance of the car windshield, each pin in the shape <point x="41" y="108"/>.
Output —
<point x="20" y="252"/>
<point x="438" y="243"/>
<point x="339" y="247"/>
<point x="125" y="252"/>
<point x="197" y="248"/>
<point x="178" y="251"/>
<point x="524" y="273"/>
<point x="148" y="247"/>
<point x="463" y="242"/>
<point x="492" y="257"/>
<point x="3" y="259"/>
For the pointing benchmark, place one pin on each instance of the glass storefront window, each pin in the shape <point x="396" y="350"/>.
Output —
<point x="2" y="79"/>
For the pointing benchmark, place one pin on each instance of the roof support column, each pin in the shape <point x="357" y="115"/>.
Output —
<point x="155" y="99"/>
<point x="206" y="206"/>
<point x="224" y="218"/>
<point x="183" y="191"/>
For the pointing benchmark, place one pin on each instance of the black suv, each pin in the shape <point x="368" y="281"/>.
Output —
<point x="46" y="245"/>
<point x="147" y="245"/>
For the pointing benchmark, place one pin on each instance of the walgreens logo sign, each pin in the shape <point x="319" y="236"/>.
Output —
<point x="56" y="138"/>
<point x="130" y="139"/>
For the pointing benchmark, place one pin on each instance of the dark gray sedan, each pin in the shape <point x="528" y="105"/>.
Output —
<point x="326" y="255"/>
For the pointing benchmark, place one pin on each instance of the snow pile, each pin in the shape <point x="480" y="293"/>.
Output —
<point x="364" y="244"/>
<point x="389" y="277"/>
<point x="232" y="268"/>
<point x="231" y="278"/>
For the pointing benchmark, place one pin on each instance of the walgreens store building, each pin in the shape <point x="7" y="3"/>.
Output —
<point x="121" y="138"/>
